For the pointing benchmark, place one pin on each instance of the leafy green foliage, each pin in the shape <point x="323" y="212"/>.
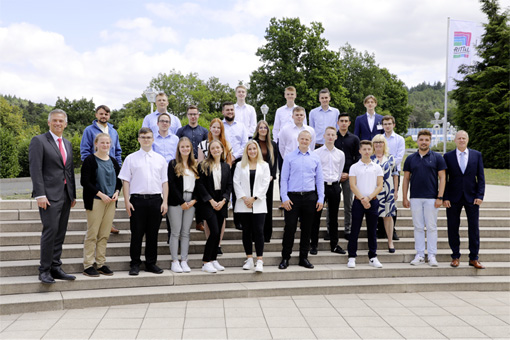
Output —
<point x="80" y="113"/>
<point x="33" y="113"/>
<point x="128" y="135"/>
<point x="9" y="166"/>
<point x="75" y="142"/>
<point x="410" y="143"/>
<point x="426" y="99"/>
<point x="23" y="157"/>
<point x="483" y="95"/>
<point x="449" y="147"/>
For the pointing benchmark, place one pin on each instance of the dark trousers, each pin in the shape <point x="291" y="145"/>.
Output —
<point x="280" y="165"/>
<point x="54" y="220"/>
<point x="268" y="223"/>
<point x="332" y="196"/>
<point x="358" y="211"/>
<point x="237" y="221"/>
<point x="214" y="222"/>
<point x="145" y="220"/>
<point x="453" y="223"/>
<point x="303" y="208"/>
<point x="253" y="231"/>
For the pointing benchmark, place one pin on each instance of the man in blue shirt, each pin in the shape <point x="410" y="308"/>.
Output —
<point x="422" y="169"/>
<point x="193" y="131"/>
<point x="302" y="195"/>
<point x="151" y="120"/>
<point x="322" y="117"/>
<point x="165" y="142"/>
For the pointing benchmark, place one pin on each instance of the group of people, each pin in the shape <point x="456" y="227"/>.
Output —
<point x="189" y="172"/>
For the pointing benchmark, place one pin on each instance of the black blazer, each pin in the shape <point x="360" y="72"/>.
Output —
<point x="175" y="186"/>
<point x="272" y="165"/>
<point x="470" y="184"/>
<point x="88" y="179"/>
<point x="206" y="190"/>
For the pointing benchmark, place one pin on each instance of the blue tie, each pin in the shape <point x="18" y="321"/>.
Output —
<point x="462" y="161"/>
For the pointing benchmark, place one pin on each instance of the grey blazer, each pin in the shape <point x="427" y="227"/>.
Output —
<point x="47" y="168"/>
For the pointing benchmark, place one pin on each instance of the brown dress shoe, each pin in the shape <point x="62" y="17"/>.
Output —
<point x="476" y="264"/>
<point x="455" y="263"/>
<point x="114" y="230"/>
<point x="200" y="226"/>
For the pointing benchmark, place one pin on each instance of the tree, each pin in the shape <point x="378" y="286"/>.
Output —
<point x="80" y="113"/>
<point x="9" y="166"/>
<point x="128" y="135"/>
<point x="296" y="55"/>
<point x="425" y="100"/>
<point x="483" y="96"/>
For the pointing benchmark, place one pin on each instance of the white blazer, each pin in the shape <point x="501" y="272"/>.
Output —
<point x="260" y="186"/>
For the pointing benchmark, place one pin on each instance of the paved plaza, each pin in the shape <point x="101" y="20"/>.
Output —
<point x="430" y="315"/>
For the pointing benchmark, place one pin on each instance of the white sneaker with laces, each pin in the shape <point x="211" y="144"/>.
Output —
<point x="248" y="264"/>
<point x="374" y="262"/>
<point x="208" y="268"/>
<point x="185" y="267"/>
<point x="260" y="266"/>
<point x="418" y="260"/>
<point x="176" y="267"/>
<point x="218" y="266"/>
<point x="433" y="261"/>
<point x="351" y="263"/>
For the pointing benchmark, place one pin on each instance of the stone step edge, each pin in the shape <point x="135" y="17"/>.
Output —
<point x="12" y="304"/>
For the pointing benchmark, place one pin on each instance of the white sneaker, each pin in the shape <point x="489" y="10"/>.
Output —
<point x="374" y="262"/>
<point x="351" y="263"/>
<point x="208" y="268"/>
<point x="218" y="266"/>
<point x="418" y="260"/>
<point x="248" y="264"/>
<point x="433" y="261"/>
<point x="176" y="267"/>
<point x="185" y="267"/>
<point x="260" y="266"/>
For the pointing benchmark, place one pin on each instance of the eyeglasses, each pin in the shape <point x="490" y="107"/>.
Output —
<point x="145" y="138"/>
<point x="164" y="121"/>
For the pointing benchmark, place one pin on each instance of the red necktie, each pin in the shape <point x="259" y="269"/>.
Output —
<point x="61" y="148"/>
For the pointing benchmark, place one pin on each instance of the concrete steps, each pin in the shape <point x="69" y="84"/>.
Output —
<point x="20" y="290"/>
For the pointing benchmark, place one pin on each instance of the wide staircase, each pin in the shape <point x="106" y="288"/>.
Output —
<point x="20" y="290"/>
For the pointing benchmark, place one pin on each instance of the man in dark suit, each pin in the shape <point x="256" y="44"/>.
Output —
<point x="465" y="187"/>
<point x="370" y="124"/>
<point x="52" y="173"/>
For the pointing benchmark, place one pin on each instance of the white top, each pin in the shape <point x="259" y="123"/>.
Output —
<point x="237" y="135"/>
<point x="288" y="138"/>
<point x="371" y="121"/>
<point x="366" y="176"/>
<point x="246" y="114"/>
<point x="397" y="147"/>
<point x="188" y="181"/>
<point x="242" y="187"/>
<point x="146" y="172"/>
<point x="104" y="128"/>
<point x="55" y="138"/>
<point x="282" y="117"/>
<point x="466" y="155"/>
<point x="216" y="172"/>
<point x="332" y="162"/>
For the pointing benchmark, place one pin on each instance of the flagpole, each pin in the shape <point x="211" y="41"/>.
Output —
<point x="445" y="124"/>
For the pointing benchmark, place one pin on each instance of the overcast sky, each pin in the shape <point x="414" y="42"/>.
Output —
<point x="110" y="50"/>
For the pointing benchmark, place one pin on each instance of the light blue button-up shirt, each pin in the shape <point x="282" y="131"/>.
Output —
<point x="165" y="146"/>
<point x="320" y="120"/>
<point x="151" y="121"/>
<point x="237" y="136"/>
<point x="302" y="172"/>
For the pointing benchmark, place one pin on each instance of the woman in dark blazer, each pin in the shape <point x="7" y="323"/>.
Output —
<point x="101" y="188"/>
<point x="182" y="196"/>
<point x="214" y="187"/>
<point x="270" y="155"/>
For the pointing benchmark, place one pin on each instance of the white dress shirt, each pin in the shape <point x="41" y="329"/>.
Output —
<point x="188" y="181"/>
<point x="282" y="117"/>
<point x="146" y="172"/>
<point x="332" y="162"/>
<point x="458" y="152"/>
<point x="288" y="138"/>
<point x="397" y="147"/>
<point x="246" y="114"/>
<point x="237" y="136"/>
<point x="216" y="172"/>
<point x="371" y="121"/>
<point x="366" y="176"/>
<point x="55" y="138"/>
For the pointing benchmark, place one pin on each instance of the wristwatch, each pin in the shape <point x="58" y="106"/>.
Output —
<point x="440" y="198"/>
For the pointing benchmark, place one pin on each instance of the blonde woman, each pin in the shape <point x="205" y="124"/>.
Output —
<point x="251" y="181"/>
<point x="387" y="196"/>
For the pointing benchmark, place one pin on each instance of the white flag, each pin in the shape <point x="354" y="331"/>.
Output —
<point x="462" y="37"/>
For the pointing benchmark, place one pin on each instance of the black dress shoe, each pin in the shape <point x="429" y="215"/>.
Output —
<point x="395" y="236"/>
<point x="152" y="268"/>
<point x="239" y="226"/>
<point x="284" y="264"/>
<point x="327" y="237"/>
<point x="313" y="251"/>
<point x="58" y="273"/>
<point x="46" y="278"/>
<point x="346" y="236"/>
<point x="305" y="263"/>
<point x="135" y="269"/>
<point x="338" y="250"/>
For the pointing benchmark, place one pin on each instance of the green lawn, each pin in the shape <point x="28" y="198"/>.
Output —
<point x="497" y="176"/>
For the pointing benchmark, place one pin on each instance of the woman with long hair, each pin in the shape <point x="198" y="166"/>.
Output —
<point x="101" y="188"/>
<point x="216" y="132"/>
<point x="386" y="197"/>
<point x="269" y="152"/>
<point x="215" y="187"/>
<point x="251" y="180"/>
<point x="182" y="196"/>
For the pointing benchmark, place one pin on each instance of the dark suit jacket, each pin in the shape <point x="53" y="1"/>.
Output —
<point x="175" y="186"/>
<point x="272" y="165"/>
<point x="47" y="168"/>
<point x="470" y="184"/>
<point x="88" y="179"/>
<point x="362" y="130"/>
<point x="206" y="190"/>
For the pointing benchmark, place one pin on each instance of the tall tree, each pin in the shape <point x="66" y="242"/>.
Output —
<point x="80" y="113"/>
<point x="483" y="96"/>
<point x="296" y="55"/>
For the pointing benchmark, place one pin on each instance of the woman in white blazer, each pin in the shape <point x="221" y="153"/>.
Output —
<point x="251" y="180"/>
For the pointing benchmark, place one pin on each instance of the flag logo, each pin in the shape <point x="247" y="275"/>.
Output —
<point x="461" y="44"/>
